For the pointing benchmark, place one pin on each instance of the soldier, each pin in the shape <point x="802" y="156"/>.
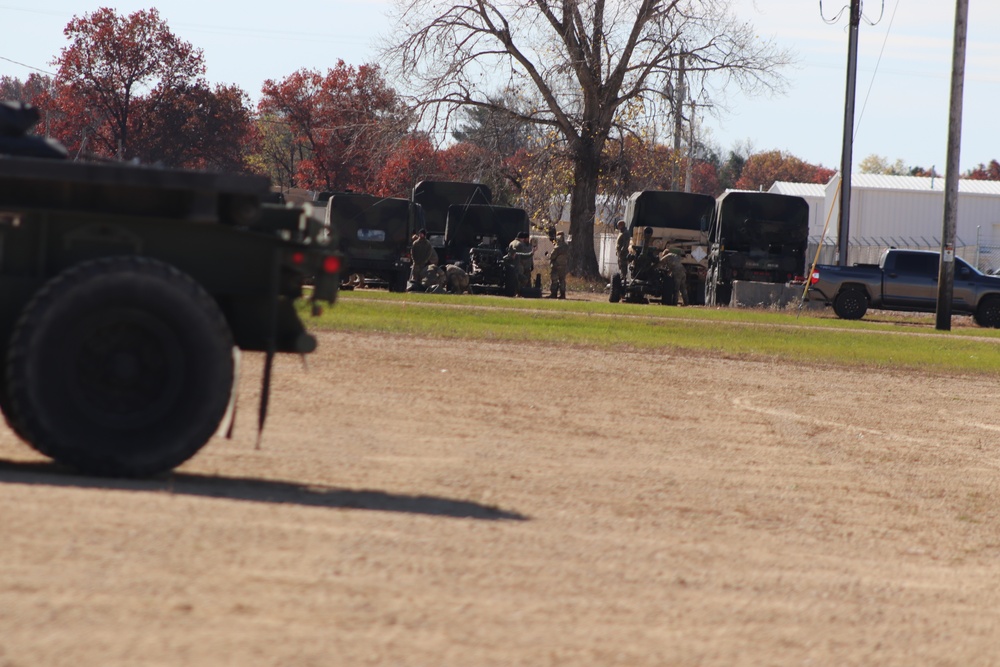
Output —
<point x="422" y="254"/>
<point x="621" y="249"/>
<point x="457" y="279"/>
<point x="559" y="265"/>
<point x="435" y="279"/>
<point x="671" y="260"/>
<point x="520" y="255"/>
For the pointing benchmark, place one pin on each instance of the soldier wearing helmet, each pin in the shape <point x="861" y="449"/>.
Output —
<point x="520" y="256"/>
<point x="558" y="267"/>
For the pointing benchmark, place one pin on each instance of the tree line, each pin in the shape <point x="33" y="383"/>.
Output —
<point x="610" y="107"/>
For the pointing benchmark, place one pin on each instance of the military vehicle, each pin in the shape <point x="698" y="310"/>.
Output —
<point x="757" y="237"/>
<point x="476" y="239"/>
<point x="124" y="292"/>
<point x="436" y="197"/>
<point x="374" y="235"/>
<point x="679" y="220"/>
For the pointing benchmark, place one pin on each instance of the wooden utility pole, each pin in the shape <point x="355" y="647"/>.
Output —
<point x="946" y="273"/>
<point x="847" y="153"/>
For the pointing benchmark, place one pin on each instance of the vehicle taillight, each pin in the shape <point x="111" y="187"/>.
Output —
<point x="331" y="265"/>
<point x="298" y="258"/>
<point x="814" y="278"/>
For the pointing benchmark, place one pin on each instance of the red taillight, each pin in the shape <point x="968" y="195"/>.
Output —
<point x="331" y="265"/>
<point x="814" y="278"/>
<point x="298" y="258"/>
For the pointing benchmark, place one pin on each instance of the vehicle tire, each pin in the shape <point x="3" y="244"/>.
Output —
<point x="988" y="313"/>
<point x="398" y="280"/>
<point x="120" y="366"/>
<point x="850" y="304"/>
<point x="616" y="288"/>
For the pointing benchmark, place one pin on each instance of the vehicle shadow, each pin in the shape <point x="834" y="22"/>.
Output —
<point x="256" y="490"/>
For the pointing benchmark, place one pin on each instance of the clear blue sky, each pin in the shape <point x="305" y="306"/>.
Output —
<point x="903" y="68"/>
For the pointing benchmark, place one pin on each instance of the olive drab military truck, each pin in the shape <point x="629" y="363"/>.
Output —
<point x="756" y="237"/>
<point x="679" y="220"/>
<point x="477" y="238"/>
<point x="436" y="197"/>
<point x="374" y="236"/>
<point x="124" y="291"/>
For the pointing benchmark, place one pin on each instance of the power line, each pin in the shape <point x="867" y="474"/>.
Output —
<point x="37" y="69"/>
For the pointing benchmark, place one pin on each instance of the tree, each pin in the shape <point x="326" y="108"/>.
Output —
<point x="413" y="159"/>
<point x="116" y="73"/>
<point x="198" y="128"/>
<point x="876" y="164"/>
<point x="29" y="90"/>
<point x="574" y="66"/>
<point x="990" y="172"/>
<point x="342" y="123"/>
<point x="763" y="169"/>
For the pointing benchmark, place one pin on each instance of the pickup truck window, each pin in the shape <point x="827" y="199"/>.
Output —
<point x="917" y="264"/>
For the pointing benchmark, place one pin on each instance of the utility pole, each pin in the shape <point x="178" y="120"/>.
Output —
<point x="847" y="154"/>
<point x="680" y="93"/>
<point x="946" y="273"/>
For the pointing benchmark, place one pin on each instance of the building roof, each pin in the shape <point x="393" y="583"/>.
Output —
<point x="799" y="189"/>
<point x="921" y="184"/>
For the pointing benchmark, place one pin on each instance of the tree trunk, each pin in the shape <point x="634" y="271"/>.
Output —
<point x="582" y="210"/>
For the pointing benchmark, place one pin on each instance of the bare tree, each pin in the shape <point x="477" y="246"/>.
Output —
<point x="583" y="68"/>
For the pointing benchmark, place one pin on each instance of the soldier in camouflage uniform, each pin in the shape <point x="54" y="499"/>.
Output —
<point x="671" y="260"/>
<point x="457" y="279"/>
<point x="520" y="255"/>
<point x="435" y="279"/>
<point x="558" y="267"/>
<point x="621" y="249"/>
<point x="423" y="255"/>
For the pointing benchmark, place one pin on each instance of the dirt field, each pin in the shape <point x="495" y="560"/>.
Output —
<point x="472" y="504"/>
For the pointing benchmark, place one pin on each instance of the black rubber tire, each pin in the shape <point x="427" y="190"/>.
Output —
<point x="398" y="280"/>
<point x="616" y="288"/>
<point x="120" y="366"/>
<point x="988" y="313"/>
<point x="850" y="304"/>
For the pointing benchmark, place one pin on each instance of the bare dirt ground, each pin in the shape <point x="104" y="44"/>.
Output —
<point x="418" y="502"/>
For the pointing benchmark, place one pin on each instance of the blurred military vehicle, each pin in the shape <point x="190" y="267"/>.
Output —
<point x="477" y="238"/>
<point x="756" y="237"/>
<point x="679" y="220"/>
<point x="436" y="197"/>
<point x="124" y="293"/>
<point x="374" y="236"/>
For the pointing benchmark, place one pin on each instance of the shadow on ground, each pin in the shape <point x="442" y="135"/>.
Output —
<point x="256" y="490"/>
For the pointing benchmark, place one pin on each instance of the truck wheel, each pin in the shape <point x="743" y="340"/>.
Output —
<point x="988" y="313"/>
<point x="397" y="281"/>
<point x="120" y="366"/>
<point x="851" y="304"/>
<point x="616" y="288"/>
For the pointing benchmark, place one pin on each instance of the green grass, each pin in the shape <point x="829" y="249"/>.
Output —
<point x="905" y="341"/>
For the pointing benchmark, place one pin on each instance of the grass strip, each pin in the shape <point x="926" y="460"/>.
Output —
<point x="726" y="332"/>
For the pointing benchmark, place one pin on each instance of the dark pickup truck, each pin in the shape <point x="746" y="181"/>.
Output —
<point x="905" y="280"/>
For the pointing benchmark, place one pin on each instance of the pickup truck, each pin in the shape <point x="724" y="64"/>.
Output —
<point x="905" y="280"/>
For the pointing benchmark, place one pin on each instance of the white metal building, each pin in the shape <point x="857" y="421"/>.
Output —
<point x="903" y="207"/>
<point x="905" y="212"/>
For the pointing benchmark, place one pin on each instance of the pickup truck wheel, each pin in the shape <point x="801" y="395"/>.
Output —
<point x="120" y="366"/>
<point x="988" y="313"/>
<point x="851" y="304"/>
